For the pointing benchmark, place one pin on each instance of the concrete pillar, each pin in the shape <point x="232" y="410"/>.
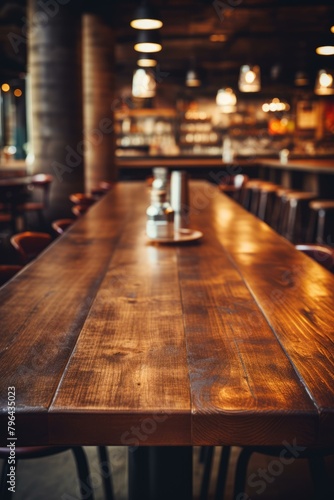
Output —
<point x="55" y="68"/>
<point x="99" y="100"/>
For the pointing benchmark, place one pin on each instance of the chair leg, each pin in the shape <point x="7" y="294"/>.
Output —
<point x="106" y="472"/>
<point x="5" y="494"/>
<point x="222" y="472"/>
<point x="207" y="472"/>
<point x="240" y="475"/>
<point x="86" y="488"/>
<point x="322" y="486"/>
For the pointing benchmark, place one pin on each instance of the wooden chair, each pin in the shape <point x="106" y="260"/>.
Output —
<point x="266" y="202"/>
<point x="107" y="185"/>
<point x="30" y="244"/>
<point x="296" y="216"/>
<point x="233" y="184"/>
<point x="60" y="225"/>
<point x="250" y="194"/>
<point x="276" y="221"/>
<point x="321" y="228"/>
<point x="82" y="199"/>
<point x="41" y="183"/>
<point x="320" y="253"/>
<point x="79" y="210"/>
<point x="86" y="489"/>
<point x="315" y="457"/>
<point x="7" y="272"/>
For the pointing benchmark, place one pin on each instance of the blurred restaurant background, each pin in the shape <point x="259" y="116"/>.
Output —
<point x="87" y="97"/>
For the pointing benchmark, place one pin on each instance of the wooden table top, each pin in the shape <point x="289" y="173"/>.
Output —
<point x="314" y="165"/>
<point x="110" y="339"/>
<point x="178" y="162"/>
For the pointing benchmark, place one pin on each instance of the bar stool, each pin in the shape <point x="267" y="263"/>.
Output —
<point x="296" y="216"/>
<point x="86" y="488"/>
<point x="266" y="202"/>
<point x="101" y="189"/>
<point x="30" y="244"/>
<point x="82" y="199"/>
<point x="42" y="183"/>
<point x="322" y="222"/>
<point x="277" y="215"/>
<point x="60" y="225"/>
<point x="251" y="194"/>
<point x="320" y="253"/>
<point x="315" y="457"/>
<point x="79" y="210"/>
<point x="232" y="185"/>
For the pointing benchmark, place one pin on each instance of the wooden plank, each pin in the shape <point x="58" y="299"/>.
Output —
<point x="296" y="296"/>
<point x="244" y="388"/>
<point x="131" y="352"/>
<point x="43" y="309"/>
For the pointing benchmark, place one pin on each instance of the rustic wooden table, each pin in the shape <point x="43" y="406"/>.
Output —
<point x="110" y="339"/>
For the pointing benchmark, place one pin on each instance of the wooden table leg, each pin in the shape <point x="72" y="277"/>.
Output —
<point x="170" y="472"/>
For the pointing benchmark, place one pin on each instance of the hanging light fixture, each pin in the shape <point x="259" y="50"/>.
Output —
<point x="301" y="79"/>
<point x="326" y="45"/>
<point x="226" y="100"/>
<point x="324" y="84"/>
<point x="193" y="78"/>
<point x="148" y="41"/>
<point x="146" y="17"/>
<point x="143" y="83"/>
<point x="146" y="61"/>
<point x="249" y="78"/>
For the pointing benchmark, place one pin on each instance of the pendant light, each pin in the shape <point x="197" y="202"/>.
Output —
<point x="226" y="100"/>
<point x="146" y="61"/>
<point x="143" y="83"/>
<point x="301" y="79"/>
<point x="193" y="78"/>
<point x="249" y="78"/>
<point x="146" y="17"/>
<point x="326" y="46"/>
<point x="148" y="41"/>
<point x="324" y="84"/>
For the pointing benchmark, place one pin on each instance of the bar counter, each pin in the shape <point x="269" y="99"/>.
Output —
<point x="304" y="174"/>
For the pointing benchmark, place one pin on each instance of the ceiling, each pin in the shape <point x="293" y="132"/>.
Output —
<point x="279" y="35"/>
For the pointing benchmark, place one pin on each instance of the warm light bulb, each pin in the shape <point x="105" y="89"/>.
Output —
<point x="17" y="92"/>
<point x="146" y="24"/>
<point x="332" y="29"/>
<point x="5" y="87"/>
<point x="325" y="80"/>
<point x="148" y="47"/>
<point x="250" y="76"/>
<point x="325" y="50"/>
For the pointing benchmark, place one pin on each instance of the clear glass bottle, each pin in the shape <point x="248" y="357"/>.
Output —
<point x="160" y="216"/>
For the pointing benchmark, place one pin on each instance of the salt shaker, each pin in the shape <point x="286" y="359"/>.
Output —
<point x="160" y="216"/>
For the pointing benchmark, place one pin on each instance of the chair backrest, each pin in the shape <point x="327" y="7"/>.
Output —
<point x="106" y="185"/>
<point x="79" y="210"/>
<point x="82" y="199"/>
<point x="30" y="244"/>
<point x="43" y="181"/>
<point x="240" y="180"/>
<point x="320" y="253"/>
<point x="60" y="225"/>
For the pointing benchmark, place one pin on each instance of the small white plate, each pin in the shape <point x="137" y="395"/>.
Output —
<point x="180" y="236"/>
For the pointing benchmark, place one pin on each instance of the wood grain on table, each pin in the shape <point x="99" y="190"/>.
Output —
<point x="111" y="339"/>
